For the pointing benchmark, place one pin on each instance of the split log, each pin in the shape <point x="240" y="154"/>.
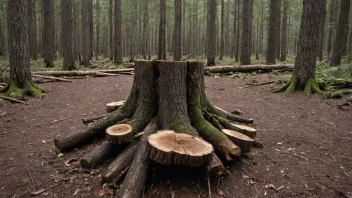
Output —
<point x="243" y="141"/>
<point x="248" y="131"/>
<point x="52" y="78"/>
<point x="93" y="118"/>
<point x="136" y="177"/>
<point x="214" y="166"/>
<point x="98" y="155"/>
<point x="113" y="106"/>
<point x="227" y="115"/>
<point x="119" y="134"/>
<point x="168" y="147"/>
<point x="117" y="168"/>
<point x="246" y="68"/>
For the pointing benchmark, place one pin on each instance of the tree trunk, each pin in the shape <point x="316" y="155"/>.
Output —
<point x="246" y="33"/>
<point x="20" y="76"/>
<point x="238" y="30"/>
<point x="86" y="38"/>
<point x="341" y="33"/>
<point x="261" y="31"/>
<point x="305" y="64"/>
<point x="49" y="34"/>
<point x="97" y="30"/>
<point x="2" y="35"/>
<point x="118" y="33"/>
<point x="76" y="30"/>
<point x="222" y="33"/>
<point x="284" y="32"/>
<point x="31" y="30"/>
<point x="162" y="33"/>
<point x="211" y="29"/>
<point x="272" y="32"/>
<point x="321" y="34"/>
<point x="67" y="35"/>
<point x="332" y="20"/>
<point x="145" y="40"/>
<point x="177" y="52"/>
<point x="278" y="43"/>
<point x="111" y="27"/>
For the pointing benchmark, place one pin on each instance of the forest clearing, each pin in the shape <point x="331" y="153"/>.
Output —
<point x="175" y="99"/>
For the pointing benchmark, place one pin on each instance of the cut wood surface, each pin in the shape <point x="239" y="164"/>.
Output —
<point x="249" y="131"/>
<point x="243" y="141"/>
<point x="245" y="68"/>
<point x="214" y="166"/>
<point x="98" y="155"/>
<point x="112" y="106"/>
<point x="168" y="147"/>
<point x="119" y="134"/>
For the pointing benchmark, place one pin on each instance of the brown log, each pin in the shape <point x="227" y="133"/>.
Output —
<point x="52" y="78"/>
<point x="84" y="73"/>
<point x="119" y="134"/>
<point x="117" y="168"/>
<point x="113" y="106"/>
<point x="249" y="131"/>
<point x="214" y="166"/>
<point x="13" y="100"/>
<point x="168" y="147"/>
<point x="133" y="184"/>
<point x="245" y="69"/>
<point x="243" y="141"/>
<point x="93" y="118"/>
<point x="229" y="116"/>
<point x="98" y="155"/>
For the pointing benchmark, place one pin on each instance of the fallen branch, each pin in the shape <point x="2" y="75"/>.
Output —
<point x="13" y="100"/>
<point x="52" y="78"/>
<point x="36" y="193"/>
<point x="292" y="154"/>
<point x="245" y="68"/>
<point x="264" y="83"/>
<point x="84" y="73"/>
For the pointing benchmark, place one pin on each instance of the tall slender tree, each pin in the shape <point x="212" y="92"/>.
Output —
<point x="67" y="36"/>
<point x="238" y="30"/>
<point x="146" y="43"/>
<point x="322" y="33"/>
<point x="278" y="32"/>
<point x="246" y="33"/>
<point x="303" y="76"/>
<point x="284" y="32"/>
<point x="162" y="33"/>
<point x="222" y="33"/>
<point x="332" y="19"/>
<point x="2" y="36"/>
<point x="48" y="33"/>
<point x="86" y="37"/>
<point x="118" y="34"/>
<point x="272" y="32"/>
<point x="111" y="32"/>
<point x="341" y="33"/>
<point x="211" y="29"/>
<point x="177" y="52"/>
<point x="97" y="29"/>
<point x="32" y="30"/>
<point x="21" y="83"/>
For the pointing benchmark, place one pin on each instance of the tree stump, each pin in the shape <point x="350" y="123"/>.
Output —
<point x="119" y="134"/>
<point x="243" y="141"/>
<point x="168" y="97"/>
<point x="113" y="106"/>
<point x="168" y="147"/>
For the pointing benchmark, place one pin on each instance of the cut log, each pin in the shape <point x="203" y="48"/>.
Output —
<point x="168" y="147"/>
<point x="136" y="177"/>
<point x="117" y="168"/>
<point x="52" y="78"/>
<point x="248" y="131"/>
<point x="214" y="166"/>
<point x="229" y="116"/>
<point x="119" y="134"/>
<point x="93" y="118"/>
<point x="113" y="106"/>
<point x="246" y="68"/>
<point x="84" y="73"/>
<point x="98" y="155"/>
<point x="243" y="141"/>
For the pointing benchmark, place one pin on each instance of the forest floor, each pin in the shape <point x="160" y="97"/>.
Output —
<point x="315" y="130"/>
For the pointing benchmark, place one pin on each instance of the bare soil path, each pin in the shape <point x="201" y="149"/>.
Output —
<point x="315" y="130"/>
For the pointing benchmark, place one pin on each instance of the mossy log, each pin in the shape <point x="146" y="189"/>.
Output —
<point x="98" y="155"/>
<point x="168" y="97"/>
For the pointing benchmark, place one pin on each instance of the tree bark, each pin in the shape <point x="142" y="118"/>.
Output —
<point x="67" y="35"/>
<point x="118" y="34"/>
<point x="278" y="33"/>
<point x="2" y="34"/>
<point x="246" y="33"/>
<point x="332" y="20"/>
<point x="162" y="25"/>
<point x="97" y="30"/>
<point x="321" y="34"/>
<point x="20" y="76"/>
<point x="111" y="28"/>
<point x="145" y="40"/>
<point x="238" y="30"/>
<point x="284" y="32"/>
<point x="49" y="34"/>
<point x="305" y="63"/>
<point x="98" y="155"/>
<point x="177" y="52"/>
<point x="222" y="33"/>
<point x="272" y="32"/>
<point x="341" y="33"/>
<point x="261" y="31"/>
<point x="86" y="37"/>
<point x="211" y="29"/>
<point x="31" y="30"/>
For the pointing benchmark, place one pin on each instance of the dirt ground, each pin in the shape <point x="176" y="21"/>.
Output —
<point x="317" y="132"/>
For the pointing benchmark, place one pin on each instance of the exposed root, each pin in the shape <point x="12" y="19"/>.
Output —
<point x="310" y="86"/>
<point x="14" y="91"/>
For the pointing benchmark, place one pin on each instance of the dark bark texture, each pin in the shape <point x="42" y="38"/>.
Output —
<point x="211" y="29"/>
<point x="272" y="32"/>
<point x="178" y="33"/>
<point x="246" y="33"/>
<point x="48" y="34"/>
<point x="162" y="33"/>
<point x="67" y="35"/>
<point x="118" y="34"/>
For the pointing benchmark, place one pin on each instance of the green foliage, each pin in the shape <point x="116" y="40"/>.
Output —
<point x="2" y="102"/>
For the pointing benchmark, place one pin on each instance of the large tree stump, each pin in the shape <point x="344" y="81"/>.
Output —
<point x="170" y="96"/>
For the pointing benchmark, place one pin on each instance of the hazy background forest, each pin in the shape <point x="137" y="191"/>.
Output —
<point x="140" y="29"/>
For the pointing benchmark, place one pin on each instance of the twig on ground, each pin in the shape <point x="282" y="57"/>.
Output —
<point x="36" y="193"/>
<point x="209" y="188"/>
<point x="264" y="83"/>
<point x="292" y="154"/>
<point x="13" y="100"/>
<point x="259" y="180"/>
<point x="30" y="176"/>
<point x="55" y="121"/>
